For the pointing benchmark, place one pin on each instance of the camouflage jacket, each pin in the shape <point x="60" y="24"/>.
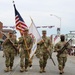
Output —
<point x="9" y="43"/>
<point x="25" y="42"/>
<point x="46" y="45"/>
<point x="58" y="47"/>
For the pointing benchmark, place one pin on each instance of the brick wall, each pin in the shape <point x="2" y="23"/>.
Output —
<point x="1" y="26"/>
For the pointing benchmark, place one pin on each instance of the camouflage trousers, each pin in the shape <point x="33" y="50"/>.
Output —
<point x="61" y="62"/>
<point x="43" y="60"/>
<point x="9" y="59"/>
<point x="24" y="58"/>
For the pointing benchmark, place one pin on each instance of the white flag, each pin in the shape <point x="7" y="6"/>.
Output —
<point x="35" y="35"/>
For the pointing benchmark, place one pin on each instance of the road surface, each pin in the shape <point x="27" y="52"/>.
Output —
<point x="50" y="68"/>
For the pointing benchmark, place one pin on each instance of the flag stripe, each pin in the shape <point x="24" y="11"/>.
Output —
<point x="55" y="38"/>
<point x="20" y="24"/>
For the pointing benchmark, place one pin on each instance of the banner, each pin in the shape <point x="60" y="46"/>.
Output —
<point x="35" y="35"/>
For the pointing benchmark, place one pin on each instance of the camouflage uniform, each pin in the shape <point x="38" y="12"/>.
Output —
<point x="62" y="58"/>
<point x="25" y="53"/>
<point x="15" y="44"/>
<point x="42" y="52"/>
<point x="9" y="52"/>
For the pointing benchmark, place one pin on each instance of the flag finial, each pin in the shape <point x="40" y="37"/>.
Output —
<point x="13" y="1"/>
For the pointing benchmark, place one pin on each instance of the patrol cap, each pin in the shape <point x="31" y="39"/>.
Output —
<point x="43" y="31"/>
<point x="10" y="32"/>
<point x="62" y="36"/>
<point x="26" y="29"/>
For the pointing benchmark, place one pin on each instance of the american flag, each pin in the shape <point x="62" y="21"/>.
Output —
<point x="20" y="24"/>
<point x="55" y="38"/>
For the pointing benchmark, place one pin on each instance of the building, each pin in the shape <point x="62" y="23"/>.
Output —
<point x="4" y="33"/>
<point x="71" y="36"/>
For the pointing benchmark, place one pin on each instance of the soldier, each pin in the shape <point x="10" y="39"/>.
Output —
<point x="9" y="51"/>
<point x="26" y="44"/>
<point x="43" y="47"/>
<point x="16" y="43"/>
<point x="62" y="58"/>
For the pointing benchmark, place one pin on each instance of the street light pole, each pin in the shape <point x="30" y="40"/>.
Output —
<point x="58" y="18"/>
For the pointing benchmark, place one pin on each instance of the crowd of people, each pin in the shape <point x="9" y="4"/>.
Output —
<point x="44" y="47"/>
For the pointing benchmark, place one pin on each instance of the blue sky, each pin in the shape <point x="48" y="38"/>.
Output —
<point x="40" y="11"/>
